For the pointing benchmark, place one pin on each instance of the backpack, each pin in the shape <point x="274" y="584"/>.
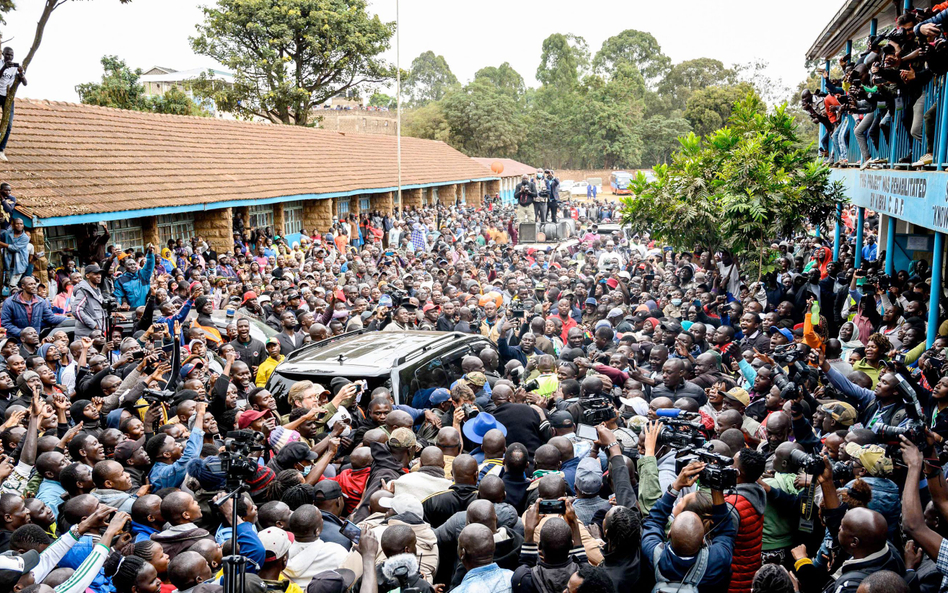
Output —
<point x="690" y="583"/>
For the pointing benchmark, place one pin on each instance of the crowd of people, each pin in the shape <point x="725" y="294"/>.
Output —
<point x="890" y="77"/>
<point x="637" y="418"/>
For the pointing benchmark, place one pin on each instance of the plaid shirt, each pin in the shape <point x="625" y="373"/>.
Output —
<point x="941" y="563"/>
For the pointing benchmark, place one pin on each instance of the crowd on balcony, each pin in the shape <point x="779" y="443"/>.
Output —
<point x="884" y="99"/>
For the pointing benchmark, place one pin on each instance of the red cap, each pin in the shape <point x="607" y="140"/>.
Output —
<point x="249" y="416"/>
<point x="612" y="282"/>
<point x="428" y="307"/>
<point x="249" y="295"/>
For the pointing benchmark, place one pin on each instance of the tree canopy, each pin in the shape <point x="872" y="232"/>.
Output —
<point x="289" y="56"/>
<point x="429" y="80"/>
<point x="736" y="187"/>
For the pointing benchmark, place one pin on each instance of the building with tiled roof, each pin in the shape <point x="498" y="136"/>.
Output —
<point x="153" y="177"/>
<point x="511" y="174"/>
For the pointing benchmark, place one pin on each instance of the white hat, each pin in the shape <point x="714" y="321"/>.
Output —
<point x="275" y="541"/>
<point x="402" y="504"/>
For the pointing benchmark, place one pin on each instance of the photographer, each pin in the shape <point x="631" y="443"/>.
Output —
<point x="688" y="557"/>
<point x="89" y="306"/>
<point x="525" y="193"/>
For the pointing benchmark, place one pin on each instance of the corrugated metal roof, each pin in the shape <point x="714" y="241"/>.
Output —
<point x="852" y="22"/>
<point x="68" y="160"/>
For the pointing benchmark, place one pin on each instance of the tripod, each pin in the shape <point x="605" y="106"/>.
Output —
<point x="235" y="565"/>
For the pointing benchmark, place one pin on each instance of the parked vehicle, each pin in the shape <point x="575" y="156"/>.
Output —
<point x="620" y="181"/>
<point x="579" y="189"/>
<point x="403" y="362"/>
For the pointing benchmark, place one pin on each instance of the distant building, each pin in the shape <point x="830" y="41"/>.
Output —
<point x="159" y="80"/>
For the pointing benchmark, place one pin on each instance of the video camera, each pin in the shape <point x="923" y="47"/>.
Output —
<point x="787" y="354"/>
<point x="596" y="410"/>
<point x="810" y="464"/>
<point x="236" y="462"/>
<point x="680" y="434"/>
<point x="717" y="473"/>
<point x="158" y="395"/>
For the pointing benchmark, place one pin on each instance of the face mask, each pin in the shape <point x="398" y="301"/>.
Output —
<point x="306" y="470"/>
<point x="676" y="302"/>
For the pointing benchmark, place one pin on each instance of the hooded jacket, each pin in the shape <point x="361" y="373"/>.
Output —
<point x="426" y="543"/>
<point x="749" y="504"/>
<point x="440" y="506"/>
<point x="88" y="310"/>
<point x="132" y="288"/>
<point x="178" y="538"/>
<point x="384" y="467"/>
<point x="506" y="554"/>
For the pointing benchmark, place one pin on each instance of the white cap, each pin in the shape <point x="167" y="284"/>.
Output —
<point x="403" y="503"/>
<point x="275" y="541"/>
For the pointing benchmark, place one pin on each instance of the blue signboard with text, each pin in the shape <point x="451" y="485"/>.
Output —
<point x="916" y="197"/>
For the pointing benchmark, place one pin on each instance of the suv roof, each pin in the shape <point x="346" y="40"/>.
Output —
<point x="368" y="353"/>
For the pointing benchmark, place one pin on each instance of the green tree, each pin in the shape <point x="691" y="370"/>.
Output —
<point x="689" y="76"/>
<point x="609" y="116"/>
<point x="427" y="122"/>
<point x="736" y="188"/>
<point x="660" y="136"/>
<point x="288" y="56"/>
<point x="381" y="100"/>
<point x="430" y="79"/>
<point x="120" y="88"/>
<point x="504" y="77"/>
<point x="633" y="47"/>
<point x="563" y="60"/>
<point x="483" y="120"/>
<point x="709" y="108"/>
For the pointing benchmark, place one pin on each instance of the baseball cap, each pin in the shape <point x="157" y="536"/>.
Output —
<point x="248" y="295"/>
<point x="588" y="476"/>
<point x="331" y="581"/>
<point x="385" y="301"/>
<point x="127" y="448"/>
<point x="273" y="341"/>
<point x="592" y="301"/>
<point x="439" y="396"/>
<point x="428" y="307"/>
<point x="275" y="541"/>
<point x="250" y="416"/>
<point x="296" y="452"/>
<point x="403" y="503"/>
<point x="617" y="312"/>
<point x="93" y="269"/>
<point x="402" y="438"/>
<point x="738" y="394"/>
<point x="14" y="567"/>
<point x="786" y="332"/>
<point x="476" y="378"/>
<point x="841" y="412"/>
<point x="327" y="490"/>
<point x="187" y="369"/>
<point x="561" y="419"/>
<point x="670" y="325"/>
<point x="871" y="457"/>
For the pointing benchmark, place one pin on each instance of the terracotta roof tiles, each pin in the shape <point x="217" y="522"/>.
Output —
<point x="69" y="159"/>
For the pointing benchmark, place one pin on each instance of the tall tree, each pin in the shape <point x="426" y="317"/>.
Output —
<point x="609" y="116"/>
<point x="708" y="109"/>
<point x="633" y="47"/>
<point x="504" y="77"/>
<point x="660" y="136"/>
<point x="484" y="121"/>
<point x="288" y="56"/>
<point x="563" y="60"/>
<point x="736" y="188"/>
<point x="427" y="122"/>
<point x="48" y="7"/>
<point x="430" y="79"/>
<point x="689" y="76"/>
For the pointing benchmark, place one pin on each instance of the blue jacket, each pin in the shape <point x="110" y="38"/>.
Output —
<point x="939" y="19"/>
<point x="76" y="555"/>
<point x="672" y="566"/>
<point x="164" y="475"/>
<point x="14" y="317"/>
<point x="142" y="532"/>
<point x="133" y="288"/>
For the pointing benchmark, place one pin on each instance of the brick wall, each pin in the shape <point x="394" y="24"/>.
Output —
<point x="492" y="187"/>
<point x="317" y="215"/>
<point x="354" y="208"/>
<point x="382" y="202"/>
<point x="150" y="231"/>
<point x="411" y="198"/>
<point x="243" y="212"/>
<point x="447" y="194"/>
<point x="38" y="239"/>
<point x="216" y="226"/>
<point x="278" y="219"/>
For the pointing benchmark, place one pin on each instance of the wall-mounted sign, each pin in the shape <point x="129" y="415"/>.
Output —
<point x="917" y="197"/>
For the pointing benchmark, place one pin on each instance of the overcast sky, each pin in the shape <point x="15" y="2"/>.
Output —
<point x="470" y="35"/>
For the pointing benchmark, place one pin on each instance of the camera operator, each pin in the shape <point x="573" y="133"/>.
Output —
<point x="89" y="306"/>
<point x="859" y="533"/>
<point x="525" y="193"/>
<point x="688" y="542"/>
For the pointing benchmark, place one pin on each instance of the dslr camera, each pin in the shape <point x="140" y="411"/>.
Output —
<point x="236" y="461"/>
<point x="810" y="464"/>
<point x="718" y="473"/>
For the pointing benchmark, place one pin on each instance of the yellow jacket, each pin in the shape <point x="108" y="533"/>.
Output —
<point x="266" y="369"/>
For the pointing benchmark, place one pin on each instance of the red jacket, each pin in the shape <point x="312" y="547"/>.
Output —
<point x="749" y="503"/>
<point x="352" y="482"/>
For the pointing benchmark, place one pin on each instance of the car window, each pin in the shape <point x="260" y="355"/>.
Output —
<point x="440" y="370"/>
<point x="279" y="383"/>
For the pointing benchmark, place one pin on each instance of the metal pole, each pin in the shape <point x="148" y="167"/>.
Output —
<point x="890" y="246"/>
<point x="873" y="26"/>
<point x="860" y="218"/>
<point x="849" y="49"/>
<point x="942" y="125"/>
<point x="398" y="95"/>
<point x="935" y="298"/>
<point x="823" y="129"/>
<point x="836" y="233"/>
